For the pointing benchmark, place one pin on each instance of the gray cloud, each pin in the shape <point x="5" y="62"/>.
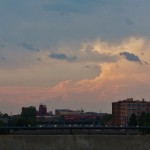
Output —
<point x="89" y="48"/>
<point x="39" y="59"/>
<point x="93" y="67"/>
<point x="146" y="63"/>
<point x="92" y="55"/>
<point x="131" y="57"/>
<point x="87" y="19"/>
<point x="28" y="46"/>
<point x="2" y="46"/>
<point x="71" y="6"/>
<point x="62" y="56"/>
<point x="3" y="58"/>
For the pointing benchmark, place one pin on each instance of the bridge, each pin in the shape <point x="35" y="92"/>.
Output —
<point x="69" y="130"/>
<point x="74" y="138"/>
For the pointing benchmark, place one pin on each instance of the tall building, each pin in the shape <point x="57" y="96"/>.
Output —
<point x="42" y="110"/>
<point x="122" y="110"/>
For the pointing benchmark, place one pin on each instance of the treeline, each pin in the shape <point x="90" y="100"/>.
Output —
<point x="28" y="118"/>
<point x="143" y="120"/>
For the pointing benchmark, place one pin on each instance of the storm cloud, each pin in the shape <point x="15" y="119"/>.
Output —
<point x="71" y="6"/>
<point x="130" y="57"/>
<point x="29" y="47"/>
<point x="61" y="56"/>
<point x="83" y="52"/>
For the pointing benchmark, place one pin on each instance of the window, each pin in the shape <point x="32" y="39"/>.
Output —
<point x="129" y="105"/>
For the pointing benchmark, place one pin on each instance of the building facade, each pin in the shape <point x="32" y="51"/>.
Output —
<point x="122" y="110"/>
<point x="62" y="112"/>
<point x="42" y="110"/>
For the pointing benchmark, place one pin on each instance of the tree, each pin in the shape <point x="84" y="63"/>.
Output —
<point x="5" y="115"/>
<point x="28" y="112"/>
<point x="104" y="120"/>
<point x="145" y="119"/>
<point x="133" y="120"/>
<point x="142" y="119"/>
<point x="28" y="116"/>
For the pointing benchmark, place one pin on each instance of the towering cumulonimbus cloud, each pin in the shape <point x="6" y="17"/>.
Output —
<point x="78" y="86"/>
<point x="73" y="53"/>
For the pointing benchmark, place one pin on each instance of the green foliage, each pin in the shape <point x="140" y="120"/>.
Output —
<point x="28" y="117"/>
<point x="5" y="115"/>
<point x="106" y="119"/>
<point x="3" y="119"/>
<point x="145" y="119"/>
<point x="2" y="124"/>
<point x="20" y="122"/>
<point x="133" y="120"/>
<point x="29" y="112"/>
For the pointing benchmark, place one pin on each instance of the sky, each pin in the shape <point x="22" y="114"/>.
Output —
<point x="73" y="53"/>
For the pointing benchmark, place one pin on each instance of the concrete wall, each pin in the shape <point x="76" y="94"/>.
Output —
<point x="74" y="142"/>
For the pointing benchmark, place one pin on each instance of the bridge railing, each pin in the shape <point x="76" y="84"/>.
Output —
<point x="75" y="130"/>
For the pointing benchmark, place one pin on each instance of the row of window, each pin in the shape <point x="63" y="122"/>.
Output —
<point x="140" y="105"/>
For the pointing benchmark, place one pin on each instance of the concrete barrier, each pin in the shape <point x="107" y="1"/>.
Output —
<point x="74" y="142"/>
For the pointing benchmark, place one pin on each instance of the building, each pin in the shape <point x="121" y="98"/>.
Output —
<point x="42" y="110"/>
<point x="122" y="110"/>
<point x="62" y="112"/>
<point x="43" y="117"/>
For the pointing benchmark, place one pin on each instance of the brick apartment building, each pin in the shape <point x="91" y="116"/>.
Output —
<point x="122" y="110"/>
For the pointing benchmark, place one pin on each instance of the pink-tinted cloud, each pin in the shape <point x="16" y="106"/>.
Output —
<point x="116" y="80"/>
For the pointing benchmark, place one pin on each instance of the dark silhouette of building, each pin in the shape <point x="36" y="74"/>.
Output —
<point x="42" y="110"/>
